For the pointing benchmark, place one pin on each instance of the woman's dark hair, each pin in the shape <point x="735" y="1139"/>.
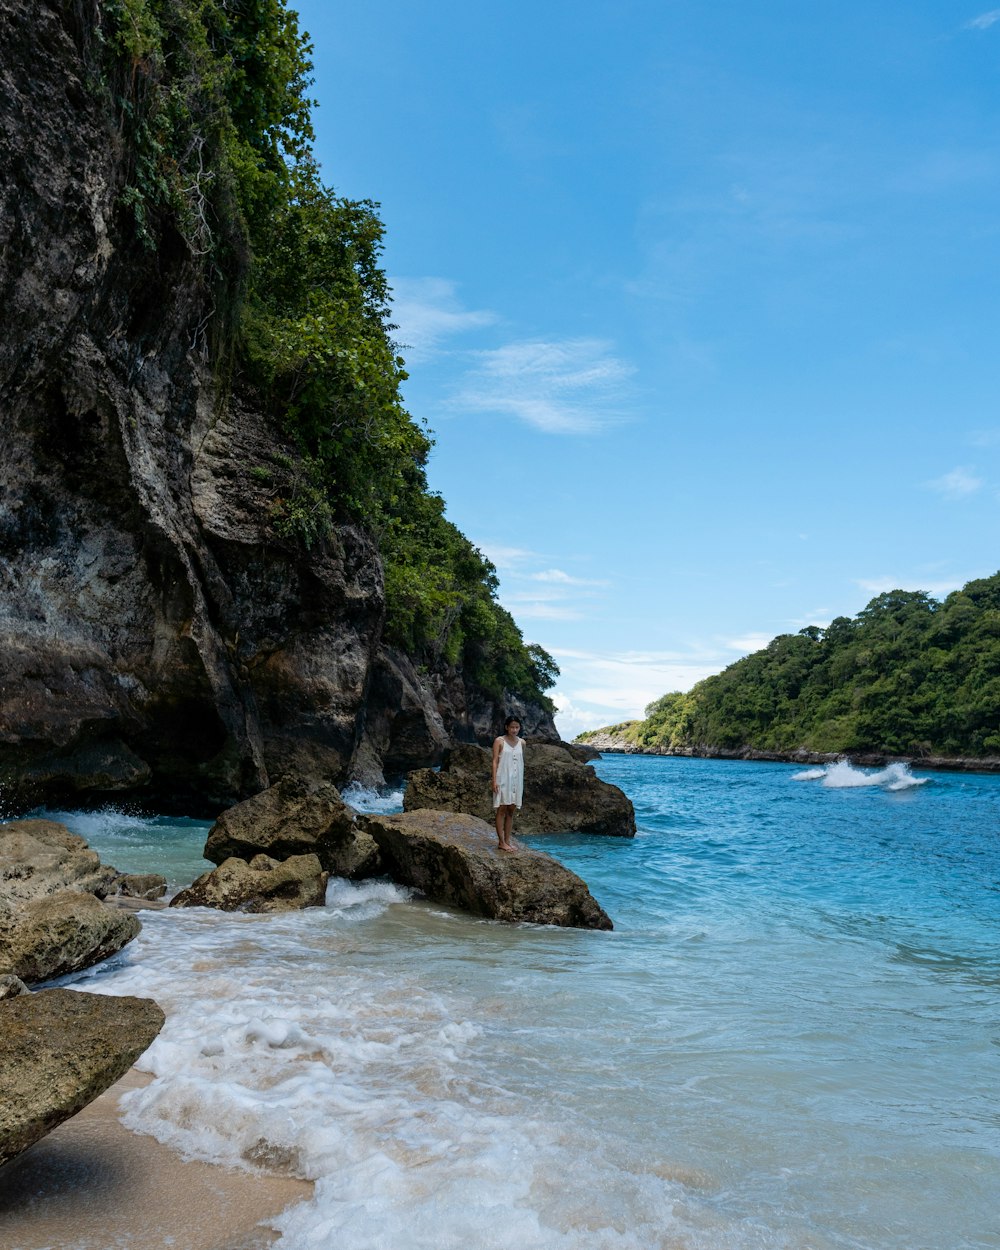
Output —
<point x="511" y="720"/>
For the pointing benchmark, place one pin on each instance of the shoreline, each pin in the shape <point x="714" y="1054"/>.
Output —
<point x="862" y="759"/>
<point x="92" y="1183"/>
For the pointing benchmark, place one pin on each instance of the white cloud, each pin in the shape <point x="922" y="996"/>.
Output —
<point x="749" y="642"/>
<point x="565" y="579"/>
<point x="602" y="688"/>
<point x="544" y="610"/>
<point x="568" y="387"/>
<point x="505" y="558"/>
<point x="984" y="21"/>
<point x="958" y="484"/>
<point x="427" y="311"/>
<point x="937" y="588"/>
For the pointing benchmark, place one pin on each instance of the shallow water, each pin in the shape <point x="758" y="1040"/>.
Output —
<point x="790" y="1040"/>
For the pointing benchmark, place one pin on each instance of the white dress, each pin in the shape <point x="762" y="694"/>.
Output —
<point x="510" y="775"/>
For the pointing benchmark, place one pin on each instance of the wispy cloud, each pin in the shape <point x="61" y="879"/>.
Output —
<point x="506" y="558"/>
<point x="749" y="642"/>
<point x="427" y="311"/>
<point x="958" y="484"/>
<point x="600" y="688"/>
<point x="937" y="587"/>
<point x="984" y="21"/>
<point x="565" y="579"/>
<point x="573" y="386"/>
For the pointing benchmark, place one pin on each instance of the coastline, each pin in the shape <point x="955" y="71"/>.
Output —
<point x="608" y="744"/>
<point x="92" y="1183"/>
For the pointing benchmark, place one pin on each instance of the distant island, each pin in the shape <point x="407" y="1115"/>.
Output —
<point x="909" y="676"/>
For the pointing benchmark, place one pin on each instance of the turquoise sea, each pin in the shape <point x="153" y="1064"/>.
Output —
<point x="791" y="1039"/>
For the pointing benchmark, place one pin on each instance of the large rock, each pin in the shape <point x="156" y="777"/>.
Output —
<point x="39" y="857"/>
<point x="51" y="922"/>
<point x="560" y="794"/>
<point x="295" y="817"/>
<point x="262" y="885"/>
<point x="58" y="1051"/>
<point x="453" y="858"/>
<point x="59" y="933"/>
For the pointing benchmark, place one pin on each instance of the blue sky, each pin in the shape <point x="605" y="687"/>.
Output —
<point x="700" y="301"/>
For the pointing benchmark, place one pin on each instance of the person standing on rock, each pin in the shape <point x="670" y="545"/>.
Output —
<point x="508" y="779"/>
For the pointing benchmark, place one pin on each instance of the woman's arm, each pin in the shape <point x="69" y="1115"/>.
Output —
<point x="496" y="759"/>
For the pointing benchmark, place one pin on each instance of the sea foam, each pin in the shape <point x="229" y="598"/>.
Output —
<point x="844" y="775"/>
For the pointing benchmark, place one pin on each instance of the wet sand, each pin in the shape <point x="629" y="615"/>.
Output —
<point x="93" y="1185"/>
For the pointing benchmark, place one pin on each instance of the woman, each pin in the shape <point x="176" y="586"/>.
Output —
<point x="508" y="779"/>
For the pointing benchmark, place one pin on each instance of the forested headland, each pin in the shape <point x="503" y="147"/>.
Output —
<point x="908" y="676"/>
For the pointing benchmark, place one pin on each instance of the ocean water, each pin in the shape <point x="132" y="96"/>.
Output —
<point x="791" y="1039"/>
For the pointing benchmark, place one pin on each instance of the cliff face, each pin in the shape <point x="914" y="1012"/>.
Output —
<point x="156" y="636"/>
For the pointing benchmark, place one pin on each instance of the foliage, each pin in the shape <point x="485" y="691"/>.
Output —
<point x="212" y="98"/>
<point x="908" y="676"/>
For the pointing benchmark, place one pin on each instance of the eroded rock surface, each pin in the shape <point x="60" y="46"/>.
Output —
<point x="39" y="857"/>
<point x="453" y="858"/>
<point x="262" y="885"/>
<point x="51" y="922"/>
<point x="560" y="793"/>
<point x="59" y="933"/>
<point x="58" y="1051"/>
<point x="296" y="817"/>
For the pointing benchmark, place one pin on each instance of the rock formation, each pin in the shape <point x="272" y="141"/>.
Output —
<point x="51" y="922"/>
<point x="58" y="1051"/>
<point x="60" y="933"/>
<point x="453" y="859"/>
<point x="296" y="817"/>
<point x="262" y="885"/>
<point x="560" y="794"/>
<point x="159" y="638"/>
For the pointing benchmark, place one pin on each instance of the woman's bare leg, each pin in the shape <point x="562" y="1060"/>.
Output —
<point x="505" y="818"/>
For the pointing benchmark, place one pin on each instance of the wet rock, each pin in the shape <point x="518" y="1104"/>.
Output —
<point x="39" y="857"/>
<point x="141" y="885"/>
<point x="59" y="933"/>
<point x="453" y="858"/>
<point x="581" y="751"/>
<point x="296" y="817"/>
<point x="11" y="986"/>
<point x="560" y="794"/>
<point x="58" y="1051"/>
<point x="262" y="885"/>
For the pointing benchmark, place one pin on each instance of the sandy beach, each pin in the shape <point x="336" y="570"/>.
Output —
<point x="92" y="1184"/>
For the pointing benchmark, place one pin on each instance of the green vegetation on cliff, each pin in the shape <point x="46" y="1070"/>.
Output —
<point x="212" y="97"/>
<point x="909" y="675"/>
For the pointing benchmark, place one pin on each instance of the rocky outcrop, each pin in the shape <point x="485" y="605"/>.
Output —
<point x="39" y="857"/>
<point x="51" y="922"/>
<point x="560" y="793"/>
<point x="147" y="886"/>
<point x="296" y="817"/>
<point x="158" y="636"/>
<point x="262" y="885"/>
<point x="58" y="1051"/>
<point x="453" y="859"/>
<point x="11" y="986"/>
<point x="60" y="933"/>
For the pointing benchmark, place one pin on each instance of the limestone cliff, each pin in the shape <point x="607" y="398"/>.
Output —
<point x="157" y="637"/>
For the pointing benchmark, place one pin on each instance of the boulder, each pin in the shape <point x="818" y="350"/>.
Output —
<point x="295" y="817"/>
<point x="39" y="857"/>
<point x="453" y="858"/>
<point x="11" y="986"/>
<point x="262" y="885"/>
<point x="561" y="795"/>
<point x="59" y="933"/>
<point x="58" y="1051"/>
<point x="148" y="886"/>
<point x="581" y="751"/>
